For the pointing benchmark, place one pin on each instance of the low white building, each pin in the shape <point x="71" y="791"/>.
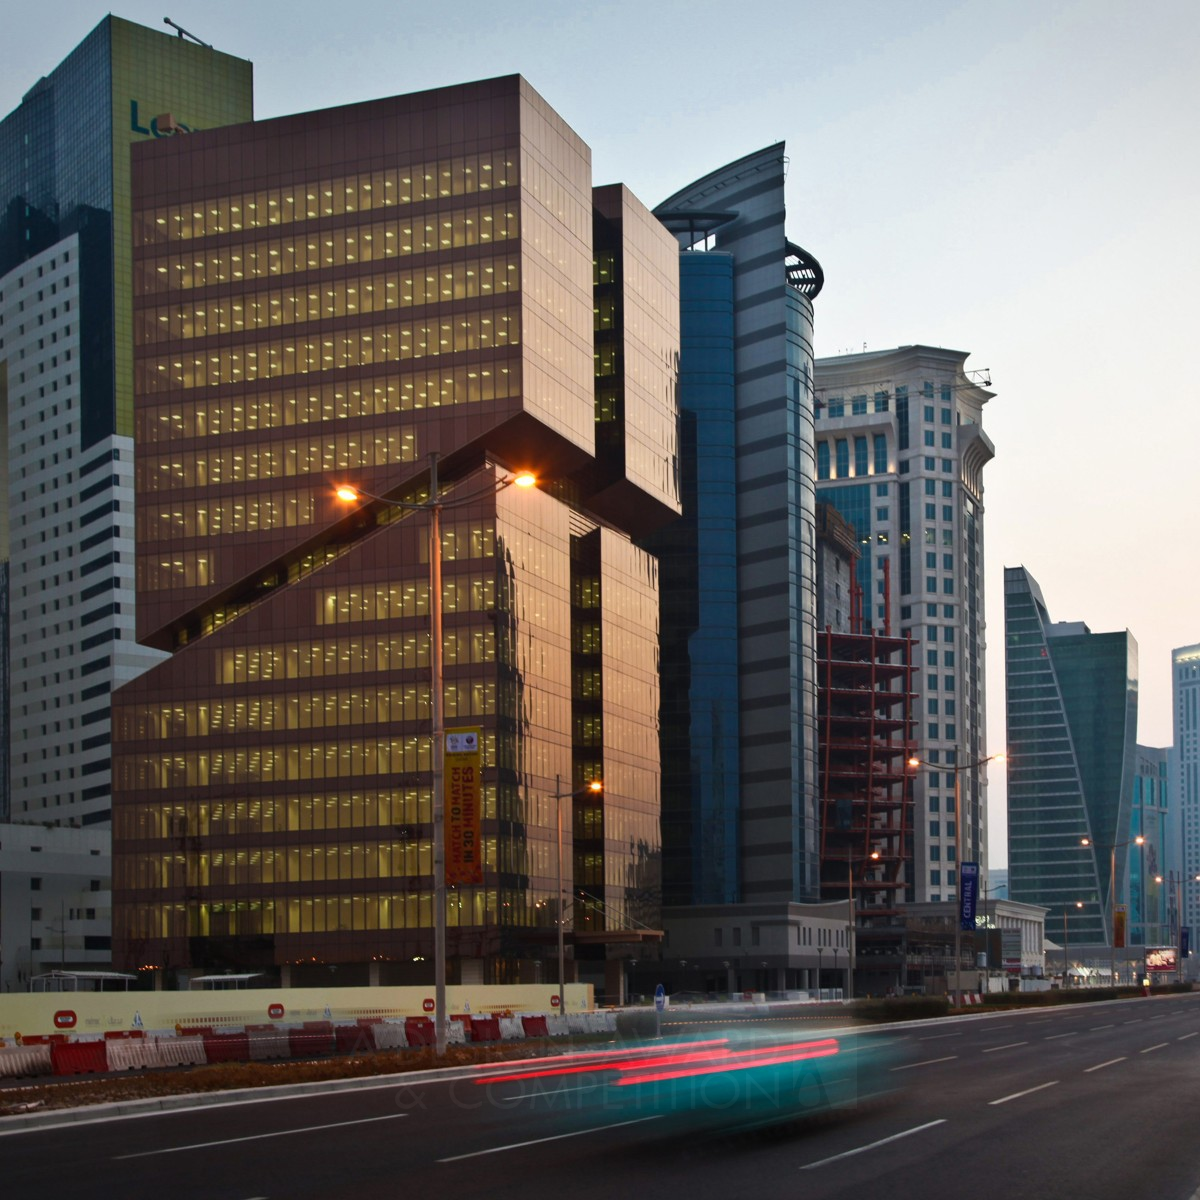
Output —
<point x="55" y="901"/>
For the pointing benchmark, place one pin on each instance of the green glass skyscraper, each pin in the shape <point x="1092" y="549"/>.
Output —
<point x="1071" y="746"/>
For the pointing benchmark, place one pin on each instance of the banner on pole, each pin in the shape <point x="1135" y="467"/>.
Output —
<point x="968" y="894"/>
<point x="1119" y="922"/>
<point x="464" y="839"/>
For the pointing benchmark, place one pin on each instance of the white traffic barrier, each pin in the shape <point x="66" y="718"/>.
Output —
<point x="390" y="1035"/>
<point x="511" y="1029"/>
<point x="181" y="1051"/>
<point x="132" y="1054"/>
<point x="267" y="1043"/>
<point x="16" y="1061"/>
<point x="556" y="1025"/>
<point x="456" y="1034"/>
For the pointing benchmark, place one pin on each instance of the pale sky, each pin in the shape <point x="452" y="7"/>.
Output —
<point x="1018" y="179"/>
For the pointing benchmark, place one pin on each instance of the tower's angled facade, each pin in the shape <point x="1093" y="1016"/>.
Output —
<point x="333" y="298"/>
<point x="1071" y="722"/>
<point x="900" y="455"/>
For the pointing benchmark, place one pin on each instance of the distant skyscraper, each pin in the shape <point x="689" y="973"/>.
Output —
<point x="900" y="455"/>
<point x="1153" y="866"/>
<point x="1185" y="772"/>
<point x="1071" y="731"/>
<point x="66" y="378"/>
<point x="331" y="298"/>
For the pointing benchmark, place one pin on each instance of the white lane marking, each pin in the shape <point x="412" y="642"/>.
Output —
<point x="256" y="1137"/>
<point x="1185" y="1037"/>
<point x="1051" y="1036"/>
<point x="1101" y="1066"/>
<point x="539" y="1141"/>
<point x="882" y="1142"/>
<point x="927" y="1063"/>
<point x="1027" y="1092"/>
<point x="1149" y="1048"/>
<point x="1095" y="1027"/>
<point x="1135" y="1021"/>
<point x="1010" y="1046"/>
<point x="938" y="1036"/>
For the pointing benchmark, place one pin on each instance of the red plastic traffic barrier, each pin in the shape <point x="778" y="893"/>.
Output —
<point x="485" y="1029"/>
<point x="419" y="1031"/>
<point x="535" y="1027"/>
<point x="354" y="1039"/>
<point x="78" y="1058"/>
<point x="315" y="1038"/>
<point x="227" y="1047"/>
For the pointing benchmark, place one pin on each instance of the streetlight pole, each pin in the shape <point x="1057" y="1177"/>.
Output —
<point x="559" y="797"/>
<point x="1066" y="965"/>
<point x="851" y="948"/>
<point x="433" y="506"/>
<point x="438" y="735"/>
<point x="1112" y="898"/>
<point x="958" y="768"/>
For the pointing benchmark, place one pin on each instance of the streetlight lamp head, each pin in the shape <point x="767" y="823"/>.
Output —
<point x="348" y="494"/>
<point x="1139" y="840"/>
<point x="914" y="762"/>
<point x="525" y="479"/>
<point x="1085" y="841"/>
<point x="596" y="785"/>
<point x="1001" y="757"/>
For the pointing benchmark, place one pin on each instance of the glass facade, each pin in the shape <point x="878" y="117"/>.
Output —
<point x="330" y="299"/>
<point x="1154" y="874"/>
<point x="698" y="555"/>
<point x="739" y="574"/>
<point x="1071" y="727"/>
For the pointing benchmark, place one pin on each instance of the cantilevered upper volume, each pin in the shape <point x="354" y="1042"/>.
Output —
<point x="333" y="298"/>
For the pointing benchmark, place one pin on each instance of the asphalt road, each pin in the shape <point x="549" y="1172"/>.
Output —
<point x="1099" y="1100"/>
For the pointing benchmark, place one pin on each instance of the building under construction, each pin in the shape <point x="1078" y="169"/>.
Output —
<point x="866" y="701"/>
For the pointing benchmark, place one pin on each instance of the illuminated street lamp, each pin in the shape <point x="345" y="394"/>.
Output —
<point x="1177" y="930"/>
<point x="1078" y="904"/>
<point x="958" y="768"/>
<point x="1112" y="895"/>
<point x="594" y="787"/>
<point x="434" y="506"/>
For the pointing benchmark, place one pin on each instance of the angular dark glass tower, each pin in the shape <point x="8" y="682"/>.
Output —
<point x="1071" y="724"/>
<point x="332" y="298"/>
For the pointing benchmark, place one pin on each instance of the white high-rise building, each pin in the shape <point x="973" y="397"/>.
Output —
<point x="71" y="560"/>
<point x="900" y="454"/>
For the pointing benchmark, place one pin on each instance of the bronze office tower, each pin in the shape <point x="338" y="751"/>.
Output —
<point x="333" y="298"/>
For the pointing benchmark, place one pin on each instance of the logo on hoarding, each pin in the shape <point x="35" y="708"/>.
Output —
<point x="275" y="1012"/>
<point x="427" y="1005"/>
<point x="64" y="1019"/>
